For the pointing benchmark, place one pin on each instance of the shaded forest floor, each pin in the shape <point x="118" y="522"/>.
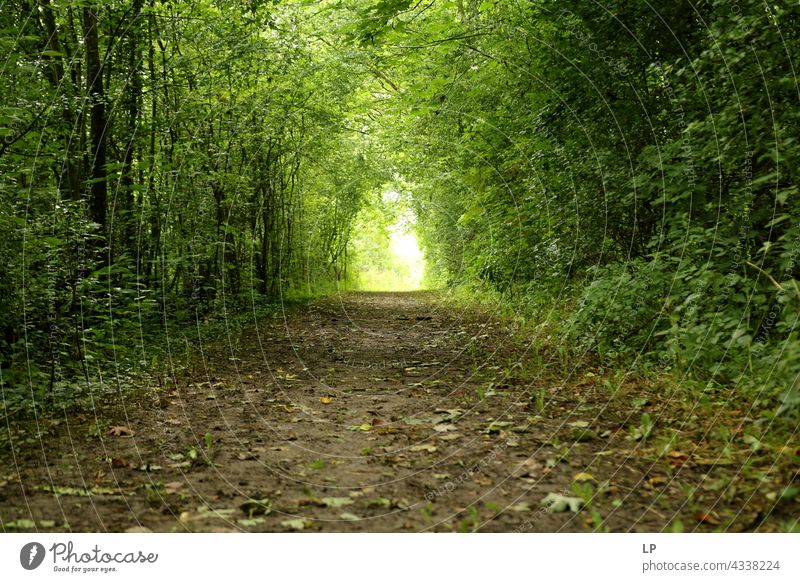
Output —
<point x="400" y="412"/>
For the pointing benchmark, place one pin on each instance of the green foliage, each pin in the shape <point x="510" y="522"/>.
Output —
<point x="628" y="164"/>
<point x="384" y="254"/>
<point x="231" y="180"/>
<point x="602" y="157"/>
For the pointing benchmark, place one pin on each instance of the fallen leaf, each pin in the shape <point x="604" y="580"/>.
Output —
<point x="120" y="431"/>
<point x="173" y="486"/>
<point x="677" y="458"/>
<point x="754" y="442"/>
<point x="20" y="524"/>
<point x="496" y="426"/>
<point x="520" y="507"/>
<point x="579" y="424"/>
<point x="250" y="522"/>
<point x="445" y="427"/>
<point x="423" y="447"/>
<point x="246" y="456"/>
<point x="708" y="518"/>
<point x="349" y="516"/>
<point x="360" y="427"/>
<point x="582" y="477"/>
<point x="205" y="512"/>
<point x="325" y="399"/>
<point x="450" y="414"/>
<point x="529" y="468"/>
<point x="61" y="491"/>
<point x="256" y="507"/>
<point x="582" y="435"/>
<point x="336" y="501"/>
<point x="450" y="437"/>
<point x="558" y="503"/>
<point x="295" y="524"/>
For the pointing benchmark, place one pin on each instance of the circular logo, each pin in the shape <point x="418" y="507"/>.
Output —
<point x="31" y="555"/>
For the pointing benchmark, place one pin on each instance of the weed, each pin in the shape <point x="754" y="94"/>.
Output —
<point x="472" y="522"/>
<point x="538" y="397"/>
<point x="317" y="464"/>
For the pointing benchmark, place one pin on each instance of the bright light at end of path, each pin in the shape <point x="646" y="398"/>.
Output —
<point x="405" y="247"/>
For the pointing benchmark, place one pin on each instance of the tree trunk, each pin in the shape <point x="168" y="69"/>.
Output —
<point x="134" y="94"/>
<point x="98" y="190"/>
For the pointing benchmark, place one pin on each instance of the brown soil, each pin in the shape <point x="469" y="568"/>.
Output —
<point x="387" y="412"/>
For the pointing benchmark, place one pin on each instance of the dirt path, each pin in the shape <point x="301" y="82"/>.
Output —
<point x="369" y="412"/>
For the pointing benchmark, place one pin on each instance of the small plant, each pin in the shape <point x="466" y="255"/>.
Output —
<point x="585" y="491"/>
<point x="644" y="429"/>
<point x="790" y="526"/>
<point x="154" y="493"/>
<point x="426" y="511"/>
<point x="209" y="441"/>
<point x="676" y="526"/>
<point x="317" y="464"/>
<point x="471" y="523"/>
<point x="538" y="400"/>
<point x="194" y="456"/>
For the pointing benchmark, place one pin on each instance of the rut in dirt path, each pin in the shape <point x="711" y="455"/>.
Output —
<point x="364" y="412"/>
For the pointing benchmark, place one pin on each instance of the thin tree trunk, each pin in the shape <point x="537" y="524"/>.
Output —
<point x="98" y="189"/>
<point x="134" y="94"/>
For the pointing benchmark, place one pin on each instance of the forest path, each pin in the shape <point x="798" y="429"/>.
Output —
<point x="363" y="412"/>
